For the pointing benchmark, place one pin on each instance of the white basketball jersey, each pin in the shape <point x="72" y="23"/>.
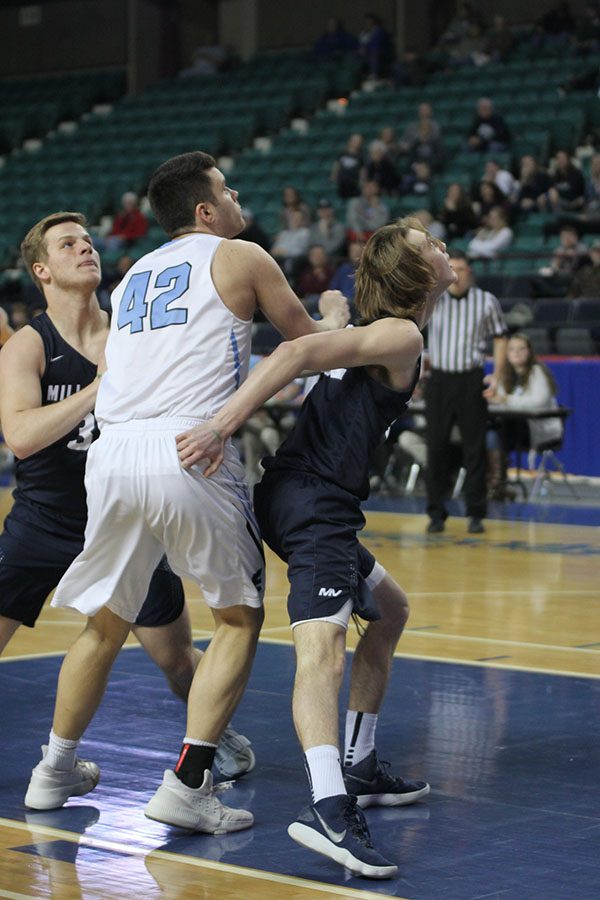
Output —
<point x="174" y="349"/>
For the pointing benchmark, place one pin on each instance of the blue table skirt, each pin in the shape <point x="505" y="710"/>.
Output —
<point x="578" y="383"/>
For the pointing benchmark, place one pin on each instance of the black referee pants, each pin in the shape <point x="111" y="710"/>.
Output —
<point x="456" y="397"/>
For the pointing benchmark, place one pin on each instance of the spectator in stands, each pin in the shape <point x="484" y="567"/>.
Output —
<point x="417" y="180"/>
<point x="129" y="225"/>
<point x="556" y="25"/>
<point x="587" y="30"/>
<point x="499" y="40"/>
<point x="335" y="42"/>
<point x="291" y="201"/>
<point x="19" y="316"/>
<point x="207" y="60"/>
<point x="586" y="281"/>
<point x="413" y="131"/>
<point x="314" y="278"/>
<point x="584" y="81"/>
<point x="343" y="279"/>
<point x="435" y="228"/>
<point x="112" y="275"/>
<point x="471" y="50"/>
<point x="592" y="188"/>
<point x="526" y="383"/>
<point x="456" y="215"/>
<point x="253" y="232"/>
<point x="376" y="48"/>
<point x="427" y="148"/>
<point x="381" y="168"/>
<point x="494" y="238"/>
<point x="348" y="169"/>
<point x="568" y="257"/>
<point x="488" y="196"/>
<point x="328" y="231"/>
<point x="410" y="70"/>
<point x="290" y="245"/>
<point x="532" y="184"/>
<point x="489" y="132"/>
<point x="502" y="178"/>
<point x="460" y="25"/>
<point x="566" y="186"/>
<point x="387" y="136"/>
<point x="367" y="213"/>
<point x="462" y="320"/>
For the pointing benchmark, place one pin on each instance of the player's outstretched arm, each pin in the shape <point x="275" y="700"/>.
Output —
<point x="394" y="344"/>
<point x="27" y="425"/>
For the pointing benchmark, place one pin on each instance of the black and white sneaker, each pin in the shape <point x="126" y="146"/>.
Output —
<point x="373" y="785"/>
<point x="335" y="827"/>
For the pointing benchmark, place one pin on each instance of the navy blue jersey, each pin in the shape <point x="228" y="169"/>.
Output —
<point x="340" y="425"/>
<point x="50" y="493"/>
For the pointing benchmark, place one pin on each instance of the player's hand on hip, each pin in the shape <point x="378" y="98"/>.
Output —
<point x="333" y="304"/>
<point x="201" y="442"/>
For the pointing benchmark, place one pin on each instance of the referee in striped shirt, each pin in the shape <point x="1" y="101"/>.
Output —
<point x="464" y="317"/>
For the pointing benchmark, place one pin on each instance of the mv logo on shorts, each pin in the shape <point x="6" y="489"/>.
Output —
<point x="329" y="592"/>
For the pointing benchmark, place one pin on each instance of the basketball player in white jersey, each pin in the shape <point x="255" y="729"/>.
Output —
<point x="178" y="348"/>
<point x="48" y="387"/>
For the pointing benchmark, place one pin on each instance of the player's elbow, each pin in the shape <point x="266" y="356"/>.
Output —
<point x="293" y="356"/>
<point x="18" y="444"/>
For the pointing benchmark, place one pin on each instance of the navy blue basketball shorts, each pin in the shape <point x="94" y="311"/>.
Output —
<point x="312" y="525"/>
<point x="25" y="585"/>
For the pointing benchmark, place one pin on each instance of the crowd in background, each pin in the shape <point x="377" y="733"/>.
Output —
<point x="319" y="246"/>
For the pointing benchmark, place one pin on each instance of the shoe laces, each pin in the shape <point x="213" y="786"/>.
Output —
<point x="356" y="822"/>
<point x="222" y="786"/>
<point x="382" y="773"/>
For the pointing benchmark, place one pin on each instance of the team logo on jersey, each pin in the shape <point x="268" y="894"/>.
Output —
<point x="329" y="592"/>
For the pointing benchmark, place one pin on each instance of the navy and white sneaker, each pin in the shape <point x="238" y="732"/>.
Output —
<point x="373" y="785"/>
<point x="335" y="827"/>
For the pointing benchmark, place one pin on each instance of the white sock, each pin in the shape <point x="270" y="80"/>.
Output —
<point x="359" y="737"/>
<point x="196" y="743"/>
<point x="61" y="753"/>
<point x="324" y="771"/>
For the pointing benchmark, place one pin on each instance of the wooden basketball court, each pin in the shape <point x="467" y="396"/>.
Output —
<point x="512" y="607"/>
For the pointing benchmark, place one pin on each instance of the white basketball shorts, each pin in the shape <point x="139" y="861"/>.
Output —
<point x="141" y="504"/>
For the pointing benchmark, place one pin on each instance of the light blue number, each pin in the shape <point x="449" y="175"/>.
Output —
<point x="133" y="308"/>
<point x="160" y="315"/>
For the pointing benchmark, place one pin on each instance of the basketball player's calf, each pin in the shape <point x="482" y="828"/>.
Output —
<point x="186" y="796"/>
<point x="365" y="775"/>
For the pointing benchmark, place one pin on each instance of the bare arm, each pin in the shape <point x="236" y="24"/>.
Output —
<point x="27" y="425"/>
<point x="492" y="381"/>
<point x="5" y="329"/>
<point x="247" y="277"/>
<point x="394" y="344"/>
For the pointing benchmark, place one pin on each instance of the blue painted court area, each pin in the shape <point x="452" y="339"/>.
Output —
<point x="551" y="513"/>
<point x="513" y="759"/>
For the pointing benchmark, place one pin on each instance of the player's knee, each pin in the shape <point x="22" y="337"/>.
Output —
<point x="108" y="631"/>
<point x="320" y="650"/>
<point x="247" y="618"/>
<point x="392" y="603"/>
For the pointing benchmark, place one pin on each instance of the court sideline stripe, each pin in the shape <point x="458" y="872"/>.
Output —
<point x="535" y="670"/>
<point x="12" y="896"/>
<point x="85" y="840"/>
<point x="418" y="632"/>
<point x="465" y="662"/>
